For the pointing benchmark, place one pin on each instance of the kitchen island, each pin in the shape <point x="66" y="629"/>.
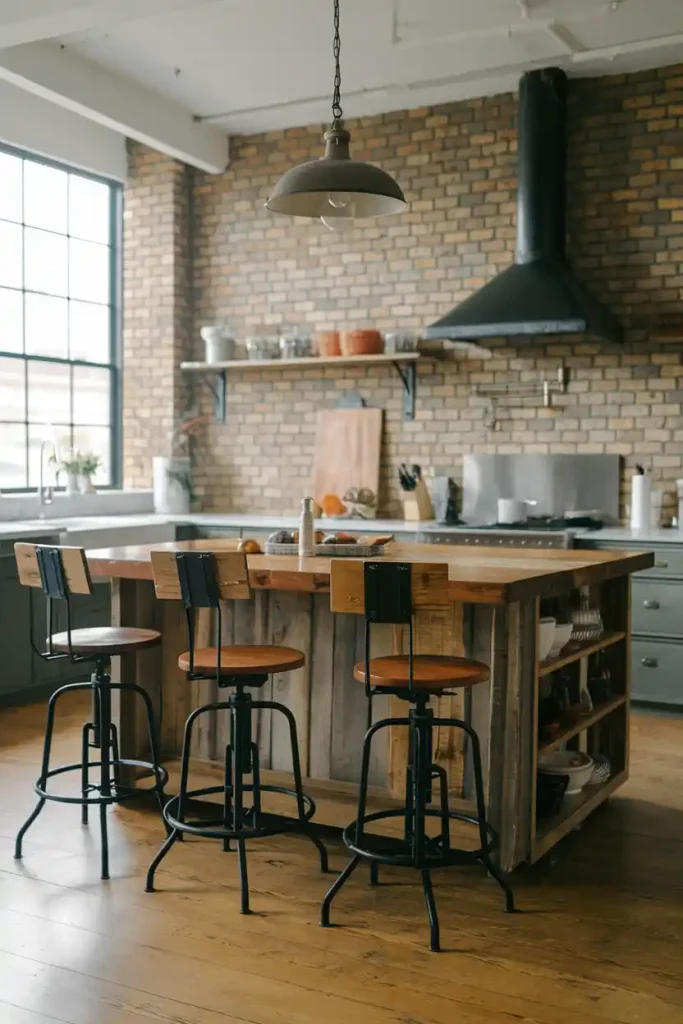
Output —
<point x="497" y="598"/>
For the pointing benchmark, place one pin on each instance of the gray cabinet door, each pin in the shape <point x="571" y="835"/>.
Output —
<point x="657" y="671"/>
<point x="15" y="646"/>
<point x="657" y="607"/>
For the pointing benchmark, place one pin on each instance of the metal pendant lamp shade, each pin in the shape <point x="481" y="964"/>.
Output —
<point x="336" y="188"/>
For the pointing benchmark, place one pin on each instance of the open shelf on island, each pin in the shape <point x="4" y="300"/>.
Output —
<point x="573" y="811"/>
<point x="580" y="649"/>
<point x="584" y="722"/>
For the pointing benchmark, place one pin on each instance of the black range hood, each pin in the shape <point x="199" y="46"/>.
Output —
<point x="538" y="294"/>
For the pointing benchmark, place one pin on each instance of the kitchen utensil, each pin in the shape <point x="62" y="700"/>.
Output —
<point x="296" y="346"/>
<point x="573" y="763"/>
<point x="361" y="343"/>
<point x="259" y="347"/>
<point x="587" y="621"/>
<point x="641" y="509"/>
<point x="219" y="343"/>
<point x="347" y="451"/>
<point x="513" y="510"/>
<point x="400" y="341"/>
<point x="546" y="635"/>
<point x="326" y="343"/>
<point x="406" y="478"/>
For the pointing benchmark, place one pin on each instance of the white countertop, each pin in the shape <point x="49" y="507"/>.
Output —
<point x="49" y="527"/>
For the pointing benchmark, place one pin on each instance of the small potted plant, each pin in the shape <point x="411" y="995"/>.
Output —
<point x="70" y="465"/>
<point x="89" y="463"/>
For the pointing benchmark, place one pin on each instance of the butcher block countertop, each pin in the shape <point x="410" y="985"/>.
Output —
<point x="476" y="575"/>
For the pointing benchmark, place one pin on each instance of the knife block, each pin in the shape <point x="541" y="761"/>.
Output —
<point x="417" y="505"/>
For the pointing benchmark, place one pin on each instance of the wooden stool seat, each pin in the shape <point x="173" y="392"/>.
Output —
<point x="244" y="660"/>
<point x="431" y="672"/>
<point x="105" y="640"/>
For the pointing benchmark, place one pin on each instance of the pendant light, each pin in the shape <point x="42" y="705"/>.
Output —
<point x="336" y="188"/>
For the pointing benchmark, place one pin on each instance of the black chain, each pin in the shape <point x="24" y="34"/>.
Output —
<point x="337" y="112"/>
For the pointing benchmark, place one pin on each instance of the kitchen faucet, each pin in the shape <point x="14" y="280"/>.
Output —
<point x="45" y="492"/>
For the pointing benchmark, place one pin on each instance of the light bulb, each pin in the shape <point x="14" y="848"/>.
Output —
<point x="338" y="200"/>
<point x="338" y="223"/>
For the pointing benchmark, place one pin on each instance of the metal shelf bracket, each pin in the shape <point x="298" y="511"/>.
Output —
<point x="408" y="375"/>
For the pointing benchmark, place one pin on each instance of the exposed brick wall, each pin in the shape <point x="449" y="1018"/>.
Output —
<point x="456" y="164"/>
<point x="157" y="294"/>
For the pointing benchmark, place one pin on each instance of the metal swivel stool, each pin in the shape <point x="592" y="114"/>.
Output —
<point x="62" y="572"/>
<point x="202" y="580"/>
<point x="389" y="592"/>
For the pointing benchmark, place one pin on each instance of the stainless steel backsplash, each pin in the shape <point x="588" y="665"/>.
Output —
<point x="558" y="483"/>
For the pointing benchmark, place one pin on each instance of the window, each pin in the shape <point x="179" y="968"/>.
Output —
<point x="59" y="317"/>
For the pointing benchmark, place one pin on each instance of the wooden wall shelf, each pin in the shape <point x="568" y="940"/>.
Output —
<point x="405" y="364"/>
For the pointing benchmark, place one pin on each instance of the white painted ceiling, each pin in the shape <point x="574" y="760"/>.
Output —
<point x="254" y="65"/>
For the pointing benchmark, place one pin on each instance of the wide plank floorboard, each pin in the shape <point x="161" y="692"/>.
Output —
<point x="599" y="943"/>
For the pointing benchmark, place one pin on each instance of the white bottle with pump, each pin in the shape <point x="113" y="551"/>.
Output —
<point x="306" y="534"/>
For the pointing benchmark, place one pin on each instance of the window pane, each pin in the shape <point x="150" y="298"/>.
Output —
<point x="45" y="196"/>
<point x="11" y="321"/>
<point x="12" y="389"/>
<point x="88" y="209"/>
<point x="89" y="332"/>
<point x="59" y="439"/>
<point x="92" y="389"/>
<point x="88" y="271"/>
<point x="46" y="326"/>
<point x="45" y="262"/>
<point x="49" y="399"/>
<point x="10" y="254"/>
<point x="98" y="441"/>
<point x="10" y="187"/>
<point x="12" y="455"/>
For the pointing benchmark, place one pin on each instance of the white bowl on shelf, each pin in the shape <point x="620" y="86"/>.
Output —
<point x="573" y="763"/>
<point x="546" y="636"/>
<point x="563" y="632"/>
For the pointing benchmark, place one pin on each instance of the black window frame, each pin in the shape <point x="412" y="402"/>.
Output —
<point x="115" y="364"/>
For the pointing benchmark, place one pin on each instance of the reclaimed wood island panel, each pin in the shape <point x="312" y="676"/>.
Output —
<point x="496" y="598"/>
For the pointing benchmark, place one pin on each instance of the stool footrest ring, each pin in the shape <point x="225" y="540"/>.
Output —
<point x="396" y="850"/>
<point x="272" y="824"/>
<point x="118" y="794"/>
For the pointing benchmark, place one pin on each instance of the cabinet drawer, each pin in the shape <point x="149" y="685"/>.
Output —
<point x="657" y="607"/>
<point x="656" y="671"/>
<point x="668" y="562"/>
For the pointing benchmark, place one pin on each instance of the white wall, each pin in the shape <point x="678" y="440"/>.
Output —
<point x="33" y="123"/>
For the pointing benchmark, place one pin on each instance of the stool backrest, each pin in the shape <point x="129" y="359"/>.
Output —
<point x="201" y="579"/>
<point x="389" y="592"/>
<point x="59" y="572"/>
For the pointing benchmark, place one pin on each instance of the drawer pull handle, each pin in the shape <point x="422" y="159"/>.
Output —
<point x="654" y="605"/>
<point x="649" y="662"/>
<point x="661" y="565"/>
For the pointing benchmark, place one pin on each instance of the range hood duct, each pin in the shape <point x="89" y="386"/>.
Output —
<point x="538" y="294"/>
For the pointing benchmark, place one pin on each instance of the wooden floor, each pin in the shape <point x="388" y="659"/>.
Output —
<point x="601" y="939"/>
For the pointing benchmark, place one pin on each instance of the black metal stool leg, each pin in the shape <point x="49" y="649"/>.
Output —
<point x="170" y="840"/>
<point x="228" y="815"/>
<point x="45" y="767"/>
<point x="85" y="769"/>
<point x="153" y="737"/>
<point x="115" y="756"/>
<point x="374" y="872"/>
<point x="434" y="944"/>
<point x="244" y="878"/>
<point x="440" y="772"/>
<point x="308" y="829"/>
<point x="105" y="770"/>
<point x="481" y="815"/>
<point x="175" y="833"/>
<point x="334" y="889"/>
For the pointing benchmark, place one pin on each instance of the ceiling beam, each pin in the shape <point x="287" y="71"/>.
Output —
<point x="66" y="78"/>
<point x="28" y="21"/>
